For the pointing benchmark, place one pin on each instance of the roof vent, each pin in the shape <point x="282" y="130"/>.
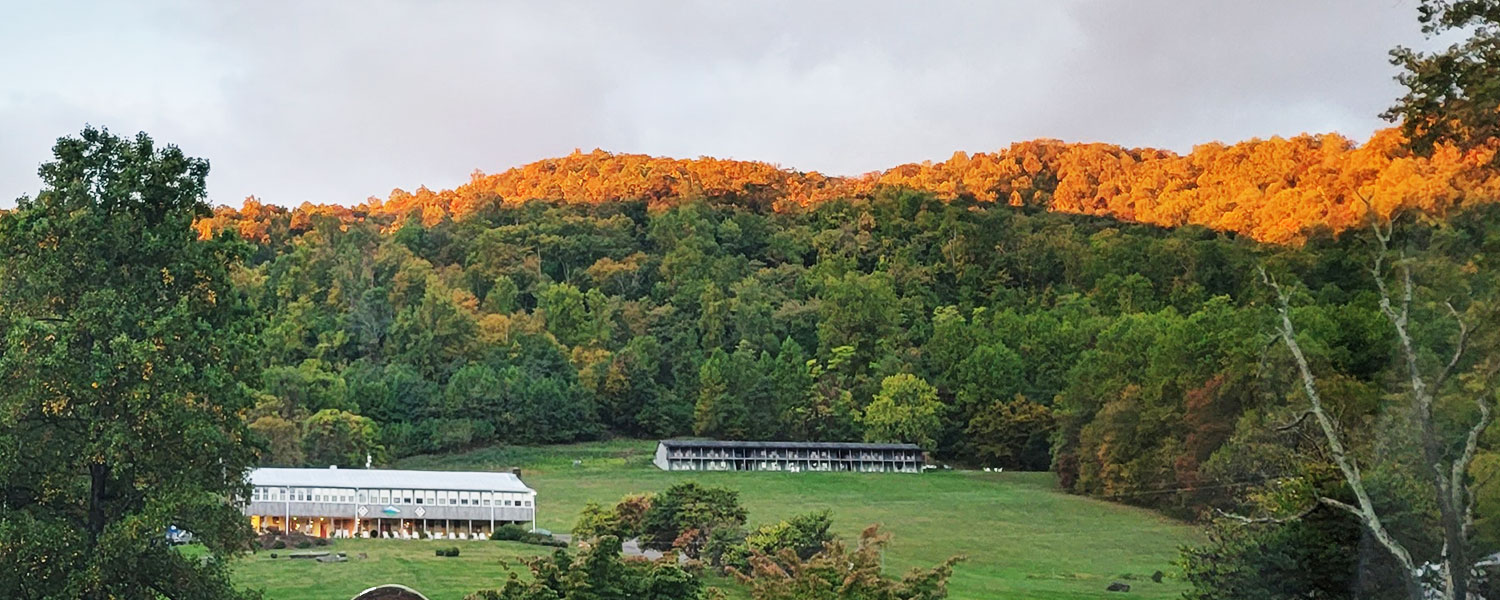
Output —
<point x="333" y="466"/>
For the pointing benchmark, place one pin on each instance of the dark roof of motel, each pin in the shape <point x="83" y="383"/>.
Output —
<point x="787" y="445"/>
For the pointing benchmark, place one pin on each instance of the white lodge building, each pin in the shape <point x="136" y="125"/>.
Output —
<point x="336" y="502"/>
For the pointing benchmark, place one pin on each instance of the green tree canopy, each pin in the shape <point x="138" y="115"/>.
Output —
<point x="689" y="506"/>
<point x="339" y="438"/>
<point x="124" y="357"/>
<point x="905" y="410"/>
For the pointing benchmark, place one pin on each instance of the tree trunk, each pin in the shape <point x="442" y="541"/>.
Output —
<point x="98" y="479"/>
<point x="1456" y="562"/>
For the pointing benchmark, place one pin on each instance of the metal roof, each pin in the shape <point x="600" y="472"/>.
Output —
<point x="479" y="481"/>
<point x="790" y="445"/>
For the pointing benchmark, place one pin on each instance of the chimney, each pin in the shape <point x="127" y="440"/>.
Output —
<point x="516" y="471"/>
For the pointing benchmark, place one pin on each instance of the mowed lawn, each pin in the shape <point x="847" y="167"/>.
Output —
<point x="479" y="565"/>
<point x="1022" y="537"/>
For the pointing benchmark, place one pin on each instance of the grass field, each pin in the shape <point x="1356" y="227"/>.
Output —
<point x="1022" y="537"/>
<point x="479" y="565"/>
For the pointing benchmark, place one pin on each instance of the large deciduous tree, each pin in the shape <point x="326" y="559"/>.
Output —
<point x="690" y="510"/>
<point x="837" y="572"/>
<point x="1447" y="396"/>
<point x="336" y="437"/>
<point x="1452" y="95"/>
<point x="122" y="364"/>
<point x="905" y="410"/>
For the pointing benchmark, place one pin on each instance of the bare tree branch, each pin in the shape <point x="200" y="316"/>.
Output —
<point x="1266" y="520"/>
<point x="1463" y="496"/>
<point x="1296" y="422"/>
<point x="1351" y="509"/>
<point x="1365" y="510"/>
<point x="1459" y="347"/>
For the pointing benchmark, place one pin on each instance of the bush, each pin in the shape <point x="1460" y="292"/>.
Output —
<point x="273" y="555"/>
<point x="517" y="533"/>
<point x="278" y="545"/>
<point x="303" y="544"/>
<point x="510" y="532"/>
<point x="450" y="551"/>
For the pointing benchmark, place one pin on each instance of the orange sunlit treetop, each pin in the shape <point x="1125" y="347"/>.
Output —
<point x="1273" y="190"/>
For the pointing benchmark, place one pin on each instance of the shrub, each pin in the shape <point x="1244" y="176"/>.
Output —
<point x="278" y="545"/>
<point x="303" y="544"/>
<point x="449" y="551"/>
<point x="517" y="533"/>
<point x="273" y="555"/>
<point x="510" y="532"/>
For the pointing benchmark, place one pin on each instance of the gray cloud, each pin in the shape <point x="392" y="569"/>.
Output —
<point x="337" y="101"/>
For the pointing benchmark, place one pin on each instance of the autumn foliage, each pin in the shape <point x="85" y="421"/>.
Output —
<point x="1276" y="190"/>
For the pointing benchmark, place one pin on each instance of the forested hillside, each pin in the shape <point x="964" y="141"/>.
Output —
<point x="601" y="295"/>
<point x="1275" y="190"/>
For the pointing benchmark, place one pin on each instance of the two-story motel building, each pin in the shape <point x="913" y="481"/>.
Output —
<point x="384" y="503"/>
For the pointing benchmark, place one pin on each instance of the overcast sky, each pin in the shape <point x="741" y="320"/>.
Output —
<point x="337" y="101"/>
